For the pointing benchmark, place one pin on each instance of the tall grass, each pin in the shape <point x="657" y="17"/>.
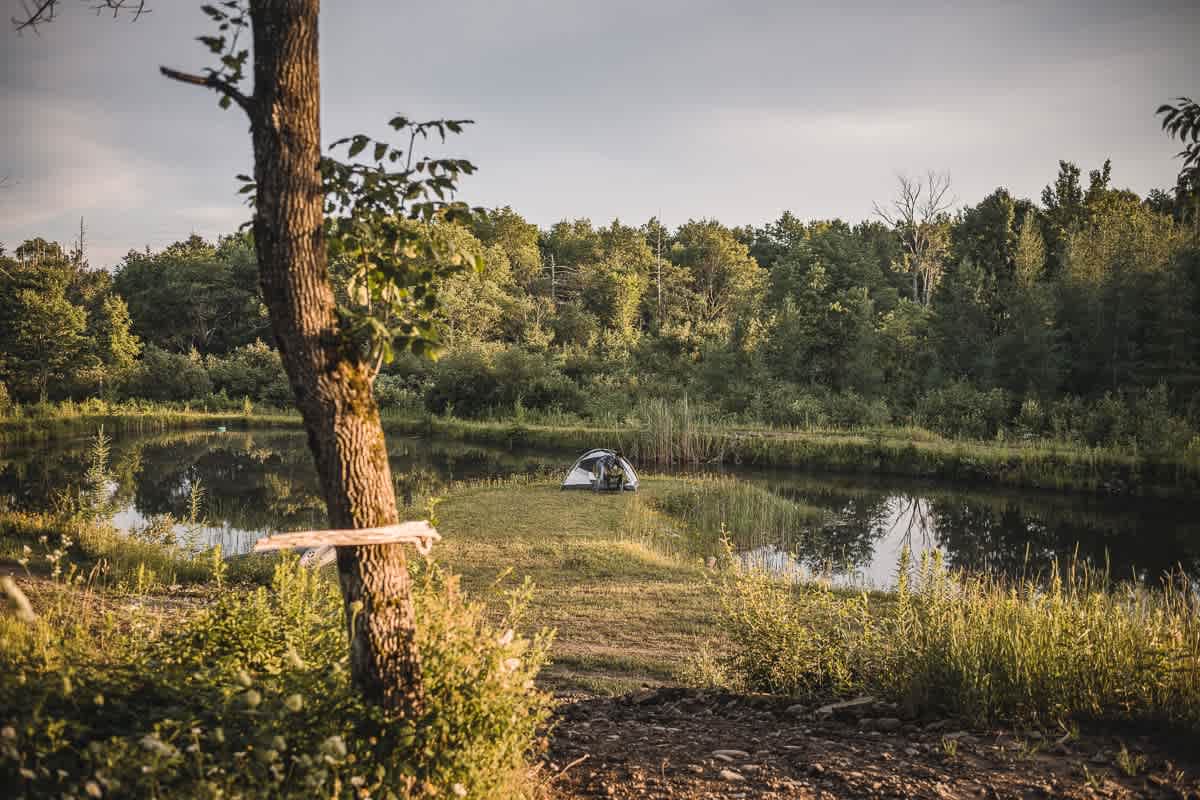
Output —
<point x="1072" y="646"/>
<point x="700" y="511"/>
<point x="674" y="432"/>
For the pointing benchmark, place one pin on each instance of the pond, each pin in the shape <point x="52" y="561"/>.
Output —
<point x="255" y="482"/>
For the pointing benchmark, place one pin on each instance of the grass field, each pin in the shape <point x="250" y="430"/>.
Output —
<point x="625" y="613"/>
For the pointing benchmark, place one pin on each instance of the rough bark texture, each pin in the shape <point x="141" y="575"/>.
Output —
<point x="330" y="381"/>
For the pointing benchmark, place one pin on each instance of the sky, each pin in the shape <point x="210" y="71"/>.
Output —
<point x="607" y="109"/>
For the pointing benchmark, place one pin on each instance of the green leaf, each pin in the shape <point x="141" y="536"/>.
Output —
<point x="380" y="150"/>
<point x="358" y="144"/>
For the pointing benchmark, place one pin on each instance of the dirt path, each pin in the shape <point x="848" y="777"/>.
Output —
<point x="684" y="744"/>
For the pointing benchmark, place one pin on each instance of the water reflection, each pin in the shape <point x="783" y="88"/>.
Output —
<point x="251" y="482"/>
<point x="870" y="522"/>
<point x="260" y="481"/>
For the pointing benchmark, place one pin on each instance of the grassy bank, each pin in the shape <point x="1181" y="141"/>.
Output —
<point x="70" y="420"/>
<point x="910" y="452"/>
<point x="681" y="440"/>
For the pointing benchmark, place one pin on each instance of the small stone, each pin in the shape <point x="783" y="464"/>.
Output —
<point x="1100" y="757"/>
<point x="730" y="754"/>
<point x="730" y="775"/>
<point x="797" y="710"/>
<point x="888" y="724"/>
<point x="847" y="710"/>
<point x="695" y="769"/>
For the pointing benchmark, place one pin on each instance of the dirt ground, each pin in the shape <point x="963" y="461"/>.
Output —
<point x="681" y="743"/>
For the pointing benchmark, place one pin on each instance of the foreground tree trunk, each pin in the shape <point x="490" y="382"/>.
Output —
<point x="331" y="383"/>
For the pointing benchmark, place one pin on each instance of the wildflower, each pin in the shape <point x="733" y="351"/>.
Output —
<point x="507" y="638"/>
<point x="334" y="746"/>
<point x="294" y="703"/>
<point x="153" y="744"/>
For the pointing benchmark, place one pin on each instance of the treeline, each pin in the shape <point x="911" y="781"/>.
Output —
<point x="1077" y="317"/>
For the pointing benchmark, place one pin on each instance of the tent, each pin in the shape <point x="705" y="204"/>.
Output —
<point x="602" y="470"/>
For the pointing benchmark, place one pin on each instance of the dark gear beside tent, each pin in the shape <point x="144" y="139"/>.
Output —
<point x="602" y="470"/>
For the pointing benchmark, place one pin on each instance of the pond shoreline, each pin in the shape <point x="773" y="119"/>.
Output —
<point x="1038" y="464"/>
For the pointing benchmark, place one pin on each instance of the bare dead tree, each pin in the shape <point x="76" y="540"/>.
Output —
<point x="40" y="12"/>
<point x="919" y="214"/>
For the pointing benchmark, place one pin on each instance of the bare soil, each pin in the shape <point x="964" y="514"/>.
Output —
<point x="681" y="743"/>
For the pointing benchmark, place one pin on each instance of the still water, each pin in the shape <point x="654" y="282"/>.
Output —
<point x="255" y="482"/>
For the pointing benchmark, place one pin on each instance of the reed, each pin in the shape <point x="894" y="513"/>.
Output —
<point x="692" y="516"/>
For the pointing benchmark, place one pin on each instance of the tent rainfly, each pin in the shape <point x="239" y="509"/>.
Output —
<point x="602" y="470"/>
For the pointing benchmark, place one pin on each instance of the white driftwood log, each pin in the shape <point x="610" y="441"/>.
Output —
<point x="420" y="534"/>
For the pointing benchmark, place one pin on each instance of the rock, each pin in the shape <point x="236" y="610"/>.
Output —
<point x="730" y="754"/>
<point x="847" y="710"/>
<point x="1100" y="757"/>
<point x="939" y="725"/>
<point x="888" y="724"/>
<point x="730" y="775"/>
<point x="797" y="710"/>
<point x="816" y="769"/>
<point x="867" y="724"/>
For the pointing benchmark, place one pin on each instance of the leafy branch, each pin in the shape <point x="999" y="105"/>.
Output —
<point x="388" y="211"/>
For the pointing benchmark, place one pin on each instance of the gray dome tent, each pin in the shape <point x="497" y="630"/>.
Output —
<point x="602" y="470"/>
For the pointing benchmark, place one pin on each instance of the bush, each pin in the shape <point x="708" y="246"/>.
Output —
<point x="394" y="393"/>
<point x="962" y="411"/>
<point x="477" y="380"/>
<point x="464" y="382"/>
<point x="6" y="404"/>
<point x="169" y="376"/>
<point x="973" y="646"/>
<point x="851" y="410"/>
<point x="253" y="370"/>
<point x="251" y="697"/>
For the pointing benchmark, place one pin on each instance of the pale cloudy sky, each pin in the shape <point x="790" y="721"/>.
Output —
<point x="734" y="110"/>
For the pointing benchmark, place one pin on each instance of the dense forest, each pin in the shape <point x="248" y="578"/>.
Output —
<point x="1076" y="317"/>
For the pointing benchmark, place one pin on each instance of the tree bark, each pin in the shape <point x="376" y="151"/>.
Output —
<point x="332" y="385"/>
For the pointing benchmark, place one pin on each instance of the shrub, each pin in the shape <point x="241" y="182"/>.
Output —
<point x="976" y="646"/>
<point x="960" y="410"/>
<point x="6" y="404"/>
<point x="463" y="381"/>
<point x="394" y="393"/>
<point x="169" y="376"/>
<point x="852" y="410"/>
<point x="251" y="697"/>
<point x="253" y="370"/>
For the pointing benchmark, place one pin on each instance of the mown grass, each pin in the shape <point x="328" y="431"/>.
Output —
<point x="625" y="613"/>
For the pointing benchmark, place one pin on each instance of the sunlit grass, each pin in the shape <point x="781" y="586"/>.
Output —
<point x="1070" y="646"/>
